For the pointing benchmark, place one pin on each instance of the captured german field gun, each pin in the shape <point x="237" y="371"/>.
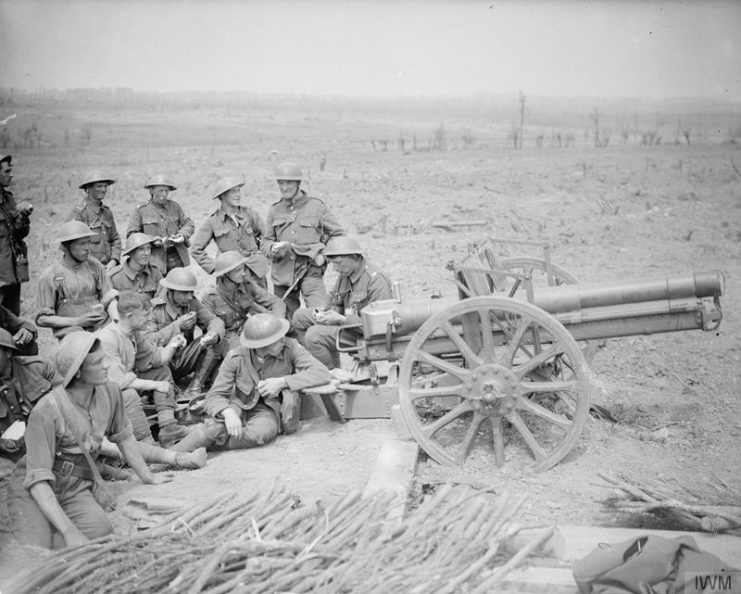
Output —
<point x="507" y="363"/>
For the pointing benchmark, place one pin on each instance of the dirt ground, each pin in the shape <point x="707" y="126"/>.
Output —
<point x="625" y="211"/>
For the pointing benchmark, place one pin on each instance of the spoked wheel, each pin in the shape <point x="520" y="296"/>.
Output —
<point x="512" y="374"/>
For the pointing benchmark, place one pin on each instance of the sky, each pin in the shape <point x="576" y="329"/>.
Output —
<point x="609" y="48"/>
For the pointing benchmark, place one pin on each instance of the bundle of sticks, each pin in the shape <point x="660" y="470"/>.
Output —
<point x="268" y="542"/>
<point x="714" y="507"/>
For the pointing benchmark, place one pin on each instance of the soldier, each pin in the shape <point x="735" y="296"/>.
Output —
<point x="14" y="227"/>
<point x="75" y="293"/>
<point x="298" y="226"/>
<point x="179" y="311"/>
<point x="23" y="381"/>
<point x="137" y="366"/>
<point x="166" y="222"/>
<point x="233" y="227"/>
<point x="52" y="488"/>
<point x="23" y="332"/>
<point x="237" y="296"/>
<point x="105" y="243"/>
<point x="360" y="282"/>
<point x="136" y="273"/>
<point x="244" y="403"/>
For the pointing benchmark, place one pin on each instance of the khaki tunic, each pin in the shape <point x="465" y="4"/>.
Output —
<point x="241" y="233"/>
<point x="145" y="281"/>
<point x="163" y="222"/>
<point x="105" y="245"/>
<point x="164" y="314"/>
<point x="306" y="223"/>
<point x="352" y="293"/>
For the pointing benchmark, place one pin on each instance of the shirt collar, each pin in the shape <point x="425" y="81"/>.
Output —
<point x="93" y="205"/>
<point x="355" y="276"/>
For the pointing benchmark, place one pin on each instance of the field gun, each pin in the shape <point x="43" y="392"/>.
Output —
<point x="507" y="361"/>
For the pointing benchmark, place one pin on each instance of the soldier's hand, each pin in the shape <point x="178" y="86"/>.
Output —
<point x="23" y="336"/>
<point x="280" y="249"/>
<point x="178" y="342"/>
<point x="208" y="339"/>
<point x="159" y="478"/>
<point x="24" y="208"/>
<point x="187" y="321"/>
<point x="74" y="537"/>
<point x="162" y="386"/>
<point x="111" y="265"/>
<point x="271" y="387"/>
<point x="232" y="422"/>
<point x="176" y="239"/>
<point x="157" y="242"/>
<point x="329" y="317"/>
<point x="91" y="318"/>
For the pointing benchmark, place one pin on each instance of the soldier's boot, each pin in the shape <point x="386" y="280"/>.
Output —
<point x="204" y="369"/>
<point x="162" y="458"/>
<point x="197" y="439"/>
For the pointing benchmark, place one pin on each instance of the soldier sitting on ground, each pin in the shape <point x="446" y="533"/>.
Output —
<point x="237" y="296"/>
<point x="52" y="489"/>
<point x="136" y="272"/>
<point x="75" y="293"/>
<point x="360" y="282"/>
<point x="105" y="242"/>
<point x="178" y="311"/>
<point x="165" y="221"/>
<point x="256" y="390"/>
<point x="233" y="227"/>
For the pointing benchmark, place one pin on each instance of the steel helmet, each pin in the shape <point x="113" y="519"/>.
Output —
<point x="159" y="180"/>
<point x="6" y="340"/>
<point x="289" y="172"/>
<point x="180" y="279"/>
<point x="342" y="246"/>
<point x="263" y="329"/>
<point x="93" y="177"/>
<point x="6" y="159"/>
<point x="73" y="349"/>
<point x="71" y="230"/>
<point x="224" y="185"/>
<point x="135" y="241"/>
<point x="227" y="262"/>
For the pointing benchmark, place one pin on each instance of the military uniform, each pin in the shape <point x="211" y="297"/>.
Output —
<point x="351" y="294"/>
<point x="163" y="222"/>
<point x="306" y="223"/>
<point x="105" y="245"/>
<point x="235" y="387"/>
<point x="241" y="232"/>
<point x="12" y="323"/>
<point x="30" y="378"/>
<point x="236" y="305"/>
<point x="14" y="227"/>
<point x="71" y="289"/>
<point x="146" y="281"/>
<point x="54" y="456"/>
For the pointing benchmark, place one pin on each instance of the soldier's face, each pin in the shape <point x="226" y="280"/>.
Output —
<point x="79" y="249"/>
<point x="181" y="298"/>
<point x="272" y="349"/>
<point x="6" y="174"/>
<point x="288" y="188"/>
<point x="238" y="275"/>
<point x="344" y="265"/>
<point x="94" y="369"/>
<point x="232" y="198"/>
<point x="97" y="191"/>
<point x="159" y="194"/>
<point x="139" y="318"/>
<point x="141" y="255"/>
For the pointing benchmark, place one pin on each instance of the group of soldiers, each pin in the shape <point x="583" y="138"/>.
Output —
<point x="136" y="331"/>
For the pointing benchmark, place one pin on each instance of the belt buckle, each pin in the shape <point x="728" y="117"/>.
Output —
<point x="67" y="468"/>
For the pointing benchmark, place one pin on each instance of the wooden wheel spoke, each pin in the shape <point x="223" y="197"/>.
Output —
<point x="487" y="336"/>
<point x="517" y="422"/>
<point x="470" y="437"/>
<point x="497" y="429"/>
<point x="437" y="392"/>
<point x="538" y="360"/>
<point x="514" y="343"/>
<point x="429" y="430"/>
<point x="540" y="387"/>
<point x="535" y="408"/>
<point x="449" y="368"/>
<point x="465" y="349"/>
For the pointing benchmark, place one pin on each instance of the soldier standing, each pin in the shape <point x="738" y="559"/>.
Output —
<point x="14" y="227"/>
<point x="298" y="226"/>
<point x="105" y="243"/>
<point x="136" y="273"/>
<point x="233" y="227"/>
<point x="165" y="220"/>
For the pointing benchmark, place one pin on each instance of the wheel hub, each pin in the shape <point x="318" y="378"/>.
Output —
<point x="490" y="389"/>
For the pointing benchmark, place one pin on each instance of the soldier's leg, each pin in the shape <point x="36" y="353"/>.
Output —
<point x="10" y="297"/>
<point x="292" y="300"/>
<point x="302" y="320"/>
<point x="164" y="402"/>
<point x="321" y="342"/>
<point x="184" y="363"/>
<point x="260" y="426"/>
<point x="135" y="414"/>
<point x="313" y="289"/>
<point x="86" y="514"/>
<point x="27" y="522"/>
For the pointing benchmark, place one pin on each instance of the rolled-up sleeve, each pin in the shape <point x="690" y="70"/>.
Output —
<point x="40" y="438"/>
<point x="220" y="395"/>
<point x="120" y="428"/>
<point x="309" y="372"/>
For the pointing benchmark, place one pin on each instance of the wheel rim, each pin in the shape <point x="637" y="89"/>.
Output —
<point x="513" y="374"/>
